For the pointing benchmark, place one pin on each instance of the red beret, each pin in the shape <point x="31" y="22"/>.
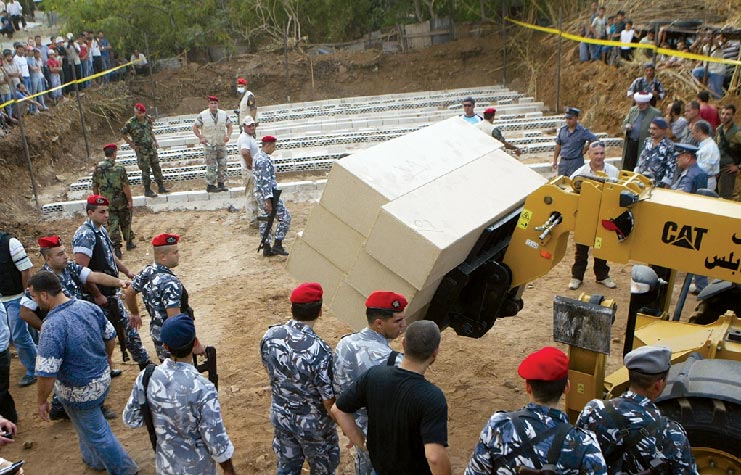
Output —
<point x="307" y="293"/>
<point x="140" y="107"/>
<point x="47" y="242"/>
<point x="269" y="139"/>
<point x="490" y="110"/>
<point x="381" y="300"/>
<point x="546" y="364"/>
<point x="165" y="240"/>
<point x="109" y="146"/>
<point x="97" y="200"/>
<point x="242" y="81"/>
<point x="213" y="99"/>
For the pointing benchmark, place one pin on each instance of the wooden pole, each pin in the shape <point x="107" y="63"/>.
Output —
<point x="504" y="45"/>
<point x="28" y="154"/>
<point x="82" y="112"/>
<point x="558" y="77"/>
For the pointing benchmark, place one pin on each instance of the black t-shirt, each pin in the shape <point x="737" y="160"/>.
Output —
<point x="405" y="412"/>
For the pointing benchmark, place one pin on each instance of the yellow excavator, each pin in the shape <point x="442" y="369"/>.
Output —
<point x="628" y="220"/>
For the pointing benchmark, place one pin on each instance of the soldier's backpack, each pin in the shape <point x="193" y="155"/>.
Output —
<point x="527" y="448"/>
<point x="146" y="411"/>
<point x="629" y="435"/>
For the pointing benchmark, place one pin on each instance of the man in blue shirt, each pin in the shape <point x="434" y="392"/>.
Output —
<point x="75" y="348"/>
<point x="571" y="143"/>
<point x="692" y="177"/>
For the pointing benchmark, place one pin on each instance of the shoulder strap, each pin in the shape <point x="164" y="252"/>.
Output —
<point x="558" y="439"/>
<point x="145" y="409"/>
<point x="391" y="361"/>
<point x="528" y="444"/>
<point x="631" y="434"/>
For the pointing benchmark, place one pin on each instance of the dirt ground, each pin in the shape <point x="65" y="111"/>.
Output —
<point x="235" y="292"/>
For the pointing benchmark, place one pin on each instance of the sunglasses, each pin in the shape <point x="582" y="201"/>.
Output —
<point x="467" y="105"/>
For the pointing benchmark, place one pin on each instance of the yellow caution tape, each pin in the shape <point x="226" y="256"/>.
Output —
<point x="76" y="81"/>
<point x="594" y="41"/>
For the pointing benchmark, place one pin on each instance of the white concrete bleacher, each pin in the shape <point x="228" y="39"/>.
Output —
<point x="313" y="135"/>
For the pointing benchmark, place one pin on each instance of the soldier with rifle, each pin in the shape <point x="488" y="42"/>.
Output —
<point x="162" y="292"/>
<point x="110" y="180"/>
<point x="634" y="436"/>
<point x="93" y="249"/>
<point x="270" y="206"/>
<point x="538" y="438"/>
<point x="180" y="408"/>
<point x="73" y="277"/>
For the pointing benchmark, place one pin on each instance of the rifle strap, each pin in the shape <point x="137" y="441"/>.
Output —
<point x="528" y="444"/>
<point x="145" y="409"/>
<point x="629" y="435"/>
<point x="391" y="361"/>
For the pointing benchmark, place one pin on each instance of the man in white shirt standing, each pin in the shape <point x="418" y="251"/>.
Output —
<point x="601" y="269"/>
<point x="248" y="150"/>
<point x="708" y="155"/>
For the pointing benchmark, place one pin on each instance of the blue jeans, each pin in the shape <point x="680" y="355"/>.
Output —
<point x="20" y="336"/>
<point x="9" y="108"/>
<point x="27" y="82"/>
<point x="715" y="81"/>
<point x="100" y="449"/>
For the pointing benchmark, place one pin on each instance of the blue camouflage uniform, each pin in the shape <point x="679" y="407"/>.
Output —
<point x="72" y="350"/>
<point x="638" y="412"/>
<point x="73" y="277"/>
<point x="265" y="183"/>
<point x="84" y="242"/>
<point x="658" y="162"/>
<point x="580" y="453"/>
<point x="299" y="365"/>
<point x="191" y="437"/>
<point x="355" y="354"/>
<point x="572" y="148"/>
<point x="160" y="289"/>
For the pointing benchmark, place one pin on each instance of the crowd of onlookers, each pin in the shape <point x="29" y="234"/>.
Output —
<point x="716" y="76"/>
<point x="35" y="66"/>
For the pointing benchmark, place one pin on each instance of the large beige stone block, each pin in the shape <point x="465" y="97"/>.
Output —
<point x="429" y="231"/>
<point x="333" y="239"/>
<point x="361" y="183"/>
<point x="349" y="306"/>
<point x="307" y="265"/>
<point x="368" y="275"/>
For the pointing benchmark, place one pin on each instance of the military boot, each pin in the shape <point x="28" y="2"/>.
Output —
<point x="267" y="251"/>
<point x="148" y="192"/>
<point x="212" y="189"/>
<point x="278" y="248"/>
<point x="222" y="187"/>
<point x="130" y="244"/>
<point x="161" y="187"/>
<point x="117" y="250"/>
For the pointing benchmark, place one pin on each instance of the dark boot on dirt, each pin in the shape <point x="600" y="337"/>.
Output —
<point x="212" y="189"/>
<point x="143" y="366"/>
<point x="130" y="245"/>
<point x="278" y="248"/>
<point x="267" y="251"/>
<point x="161" y="187"/>
<point x="117" y="250"/>
<point x="222" y="187"/>
<point x="148" y="192"/>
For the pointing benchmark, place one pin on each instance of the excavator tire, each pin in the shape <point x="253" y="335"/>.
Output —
<point x="714" y="430"/>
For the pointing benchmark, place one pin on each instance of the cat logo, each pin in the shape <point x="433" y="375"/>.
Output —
<point x="688" y="237"/>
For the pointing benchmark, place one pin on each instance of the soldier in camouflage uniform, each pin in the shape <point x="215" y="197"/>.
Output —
<point x="213" y="127"/>
<point x="630" y="428"/>
<point x="138" y="133"/>
<point x="73" y="277"/>
<point x="162" y="292"/>
<point x="265" y="183"/>
<point x="526" y="438"/>
<point x="299" y="365"/>
<point x="110" y="180"/>
<point x="358" y="352"/>
<point x="191" y="437"/>
<point x="657" y="160"/>
<point x="92" y="248"/>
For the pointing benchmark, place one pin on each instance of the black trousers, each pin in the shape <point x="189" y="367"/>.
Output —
<point x="630" y="154"/>
<point x="7" y="404"/>
<point x="601" y="269"/>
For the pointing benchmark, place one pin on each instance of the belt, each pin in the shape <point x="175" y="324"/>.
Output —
<point x="572" y="158"/>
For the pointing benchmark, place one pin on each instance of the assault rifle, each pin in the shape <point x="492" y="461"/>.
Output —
<point x="114" y="316"/>
<point x="270" y="218"/>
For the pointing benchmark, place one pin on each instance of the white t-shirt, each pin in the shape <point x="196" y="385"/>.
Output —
<point x="94" y="48"/>
<point x="22" y="64"/>
<point x="247" y="142"/>
<point x="610" y="170"/>
<point x="626" y="36"/>
<point x="142" y="62"/>
<point x="708" y="157"/>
